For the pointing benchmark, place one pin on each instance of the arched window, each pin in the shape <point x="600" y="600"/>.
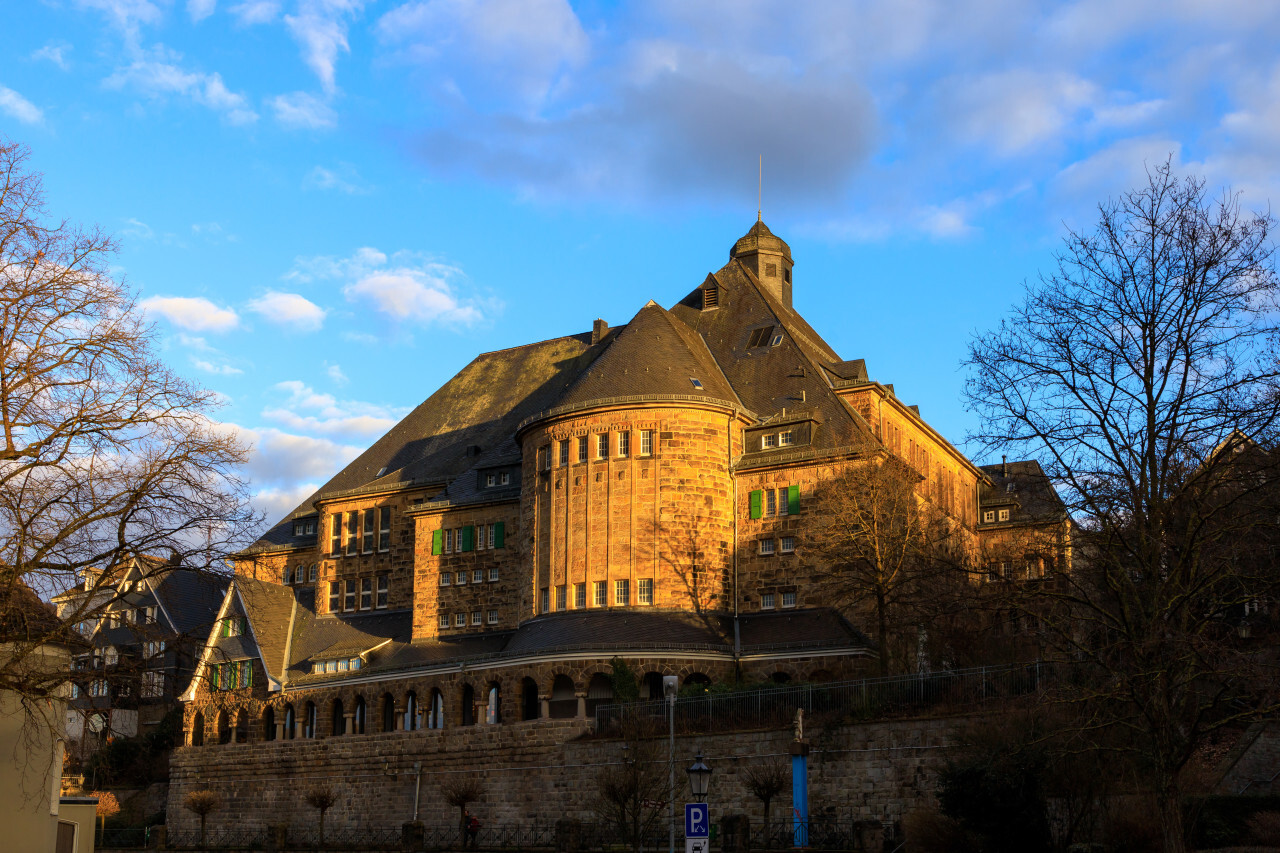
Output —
<point x="388" y="713"/>
<point x="435" y="718"/>
<point x="696" y="682"/>
<point x="780" y="678"/>
<point x="242" y="726"/>
<point x="468" y="705"/>
<point x="357" y="719"/>
<point x="224" y="727"/>
<point x="530" y="706"/>
<point x="300" y="574"/>
<point x="339" y="719"/>
<point x="564" y="704"/>
<point x="309" y="721"/>
<point x="269" y="723"/>
<point x="290" y="723"/>
<point x="411" y="718"/>
<point x="197" y="729"/>
<point x="599" y="692"/>
<point x="493" y="708"/>
<point x="651" y="686"/>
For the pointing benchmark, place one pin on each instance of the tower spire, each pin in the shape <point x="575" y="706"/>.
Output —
<point x="760" y="191"/>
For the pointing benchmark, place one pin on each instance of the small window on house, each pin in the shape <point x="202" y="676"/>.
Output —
<point x="384" y="591"/>
<point x="1004" y="515"/>
<point x="370" y="520"/>
<point x="311" y="573"/>
<point x="349" y="600"/>
<point x="444" y="620"/>
<point x="544" y="457"/>
<point x="622" y="593"/>
<point x="544" y="600"/>
<point x="445" y="578"/>
<point x="788" y="599"/>
<point x="770" y="502"/>
<point x="493" y="617"/>
<point x="493" y="574"/>
<point x="766" y="547"/>
<point x="366" y="593"/>
<point x="448" y="541"/>
<point x="787" y="545"/>
<point x="599" y="594"/>
<point x="384" y="529"/>
<point x="459" y="620"/>
<point x="299" y="574"/>
<point x="767" y="601"/>
<point x="697" y="383"/>
<point x="504" y="478"/>
<point x="579" y="596"/>
<point x="644" y="591"/>
<point x="785" y="438"/>
<point x="564" y="452"/>
<point x="490" y="480"/>
<point x="493" y="535"/>
<point x="460" y="579"/>
<point x="624" y="444"/>
<point x="1008" y="487"/>
<point x="335" y="537"/>
<point x="477" y="575"/>
<point x="562" y="598"/>
<point x="989" y="515"/>
<point x="335" y="594"/>
<point x="476" y="617"/>
<point x="768" y="441"/>
<point x="480" y="537"/>
<point x="646" y="442"/>
<point x="582" y="448"/>
<point x="786" y="275"/>
<point x="353" y="532"/>
<point x="602" y="445"/>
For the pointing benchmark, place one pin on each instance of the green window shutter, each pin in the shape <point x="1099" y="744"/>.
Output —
<point x="755" y="504"/>
<point x="213" y="676"/>
<point x="469" y="538"/>
<point x="244" y="624"/>
<point x="437" y="541"/>
<point x="499" y="532"/>
<point x="793" y="500"/>
<point x="226" y="627"/>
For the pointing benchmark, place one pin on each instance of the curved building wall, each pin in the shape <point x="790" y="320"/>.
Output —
<point x="664" y="517"/>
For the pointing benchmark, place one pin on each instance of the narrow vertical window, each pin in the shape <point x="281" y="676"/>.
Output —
<point x="600" y="594"/>
<point x="770" y="502"/>
<point x="579" y="596"/>
<point x="384" y="529"/>
<point x="644" y="591"/>
<point x="561" y="597"/>
<point x="366" y="593"/>
<point x="353" y="532"/>
<point x="564" y="452"/>
<point x="622" y="592"/>
<point x="335" y="593"/>
<point x="370" y="516"/>
<point x="782" y="501"/>
<point x="444" y="620"/>
<point x="349" y="599"/>
<point x="602" y="446"/>
<point x="448" y="541"/>
<point x="493" y="573"/>
<point x="493" y="530"/>
<point x="582" y="448"/>
<point x="459" y="620"/>
<point x="476" y="617"/>
<point x="624" y="444"/>
<point x="384" y="591"/>
<point x="311" y="574"/>
<point x="335" y="539"/>
<point x="544" y="600"/>
<point x="646" y="442"/>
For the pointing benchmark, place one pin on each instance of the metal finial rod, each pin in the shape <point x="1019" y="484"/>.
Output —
<point x="760" y="191"/>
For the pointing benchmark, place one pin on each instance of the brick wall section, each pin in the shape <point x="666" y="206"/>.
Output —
<point x="538" y="771"/>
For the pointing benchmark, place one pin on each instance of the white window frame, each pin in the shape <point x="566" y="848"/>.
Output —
<point x="646" y="442"/>
<point x="768" y="441"/>
<point x="563" y="446"/>
<point x="493" y="617"/>
<point x="770" y="503"/>
<point x="788" y="600"/>
<point x="624" y="444"/>
<point x="459" y="620"/>
<point x="768" y="601"/>
<point x="493" y="574"/>
<point x="583" y="447"/>
<point x="787" y="545"/>
<point x="477" y="618"/>
<point x="767" y="548"/>
<point x="644" y="592"/>
<point x="785" y="438"/>
<point x="366" y="593"/>
<point x="1004" y="515"/>
<point x="562" y="597"/>
<point x="477" y="575"/>
<point x="444" y="620"/>
<point x="622" y="592"/>
<point x="600" y="594"/>
<point x="579" y="596"/>
<point x="602" y="445"/>
<point x="544" y="599"/>
<point x="989" y="516"/>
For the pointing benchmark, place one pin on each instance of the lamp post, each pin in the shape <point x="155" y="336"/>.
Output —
<point x="699" y="779"/>
<point x="671" y="687"/>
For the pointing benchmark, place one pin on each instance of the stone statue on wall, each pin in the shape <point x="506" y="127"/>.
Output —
<point x="799" y="724"/>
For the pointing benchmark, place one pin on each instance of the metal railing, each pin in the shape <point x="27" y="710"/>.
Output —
<point x="864" y="699"/>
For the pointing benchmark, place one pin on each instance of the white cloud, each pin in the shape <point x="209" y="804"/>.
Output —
<point x="55" y="53"/>
<point x="1015" y="110"/>
<point x="192" y="312"/>
<point x="126" y="15"/>
<point x="307" y="410"/>
<point x="198" y="10"/>
<point x="158" y="77"/>
<point x="320" y="27"/>
<point x="336" y="375"/>
<point x="284" y="469"/>
<point x="17" y="107"/>
<point x="289" y="309"/>
<point x="303" y="110"/>
<point x="345" y="180"/>
<point x="253" y="12"/>
<point x="216" y="369"/>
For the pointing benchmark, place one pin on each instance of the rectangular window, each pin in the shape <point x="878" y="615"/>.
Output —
<point x="646" y="442"/>
<point x="770" y="502"/>
<point x="504" y="479"/>
<point x="788" y="599"/>
<point x="544" y="455"/>
<point x="366" y="593"/>
<point x="459" y="620"/>
<point x="562" y="597"/>
<point x="384" y="591"/>
<point x="493" y="617"/>
<point x="622" y="593"/>
<point x="493" y="535"/>
<point x="335" y="539"/>
<point x="787" y="545"/>
<point x="579" y="595"/>
<point x="480" y="537"/>
<point x="335" y="594"/>
<point x="349" y="600"/>
<point x="476" y="617"/>
<point x="311" y="573"/>
<point x="493" y="574"/>
<point x="444" y="620"/>
<point x="564" y="452"/>
<point x="582" y="448"/>
<point x="490" y="480"/>
<point x="768" y="440"/>
<point x="784" y="438"/>
<point x="624" y="444"/>
<point x="448" y="541"/>
<point x="1004" y="515"/>
<point x="370" y="518"/>
<point x="989" y="515"/>
<point x="384" y="529"/>
<point x="353" y="532"/>
<point x="766" y="547"/>
<point x="602" y="445"/>
<point x="599" y="594"/>
<point x="767" y="601"/>
<point x="342" y="665"/>
<point x="477" y="575"/>
<point x="644" y="591"/>
<point x="544" y="600"/>
<point x="445" y="578"/>
<point x="460" y="579"/>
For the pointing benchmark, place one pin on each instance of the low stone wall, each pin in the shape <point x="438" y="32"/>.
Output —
<point x="545" y="770"/>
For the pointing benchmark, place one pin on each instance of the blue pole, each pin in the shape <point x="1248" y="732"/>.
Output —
<point x="800" y="792"/>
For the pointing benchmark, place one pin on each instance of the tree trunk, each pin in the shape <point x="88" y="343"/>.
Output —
<point x="322" y="827"/>
<point x="882" y="626"/>
<point x="1171" y="819"/>
<point x="768" y="839"/>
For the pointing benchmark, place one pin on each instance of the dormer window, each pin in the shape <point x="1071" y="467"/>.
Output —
<point x="989" y="516"/>
<point x="760" y="337"/>
<point x="784" y="438"/>
<point x="710" y="297"/>
<point x="768" y="441"/>
<point x="1004" y="515"/>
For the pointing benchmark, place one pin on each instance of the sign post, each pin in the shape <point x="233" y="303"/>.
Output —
<point x="697" y="828"/>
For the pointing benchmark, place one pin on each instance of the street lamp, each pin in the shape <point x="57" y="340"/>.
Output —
<point x="699" y="779"/>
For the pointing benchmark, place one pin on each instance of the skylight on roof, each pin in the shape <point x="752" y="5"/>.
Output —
<point x="777" y="339"/>
<point x="697" y="383"/>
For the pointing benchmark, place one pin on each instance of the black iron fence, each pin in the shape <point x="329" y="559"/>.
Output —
<point x="865" y="699"/>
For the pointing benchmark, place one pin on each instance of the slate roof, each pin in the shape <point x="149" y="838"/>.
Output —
<point x="1024" y="489"/>
<point x="269" y="608"/>
<point x="23" y="616"/>
<point x="191" y="598"/>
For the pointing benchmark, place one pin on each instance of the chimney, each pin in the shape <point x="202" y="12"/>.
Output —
<point x="598" y="330"/>
<point x="1004" y="466"/>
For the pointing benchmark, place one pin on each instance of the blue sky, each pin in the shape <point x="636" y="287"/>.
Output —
<point x="330" y="206"/>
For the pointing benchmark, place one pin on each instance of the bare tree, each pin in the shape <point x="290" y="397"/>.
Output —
<point x="1140" y="374"/>
<point x="765" y="782"/>
<point x="882" y="548"/>
<point x="633" y="790"/>
<point x="105" y="454"/>
<point x="203" y="803"/>
<point x="460" y="792"/>
<point x="321" y="798"/>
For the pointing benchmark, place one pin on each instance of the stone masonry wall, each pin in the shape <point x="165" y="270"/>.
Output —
<point x="543" y="770"/>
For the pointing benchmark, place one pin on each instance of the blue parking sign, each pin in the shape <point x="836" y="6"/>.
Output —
<point x="696" y="823"/>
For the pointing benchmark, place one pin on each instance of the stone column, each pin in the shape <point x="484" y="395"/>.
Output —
<point x="582" y="705"/>
<point x="349" y="724"/>
<point x="399" y="717"/>
<point x="280" y="730"/>
<point x="546" y="707"/>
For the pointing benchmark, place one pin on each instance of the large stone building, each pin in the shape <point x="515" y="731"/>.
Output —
<point x="639" y="492"/>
